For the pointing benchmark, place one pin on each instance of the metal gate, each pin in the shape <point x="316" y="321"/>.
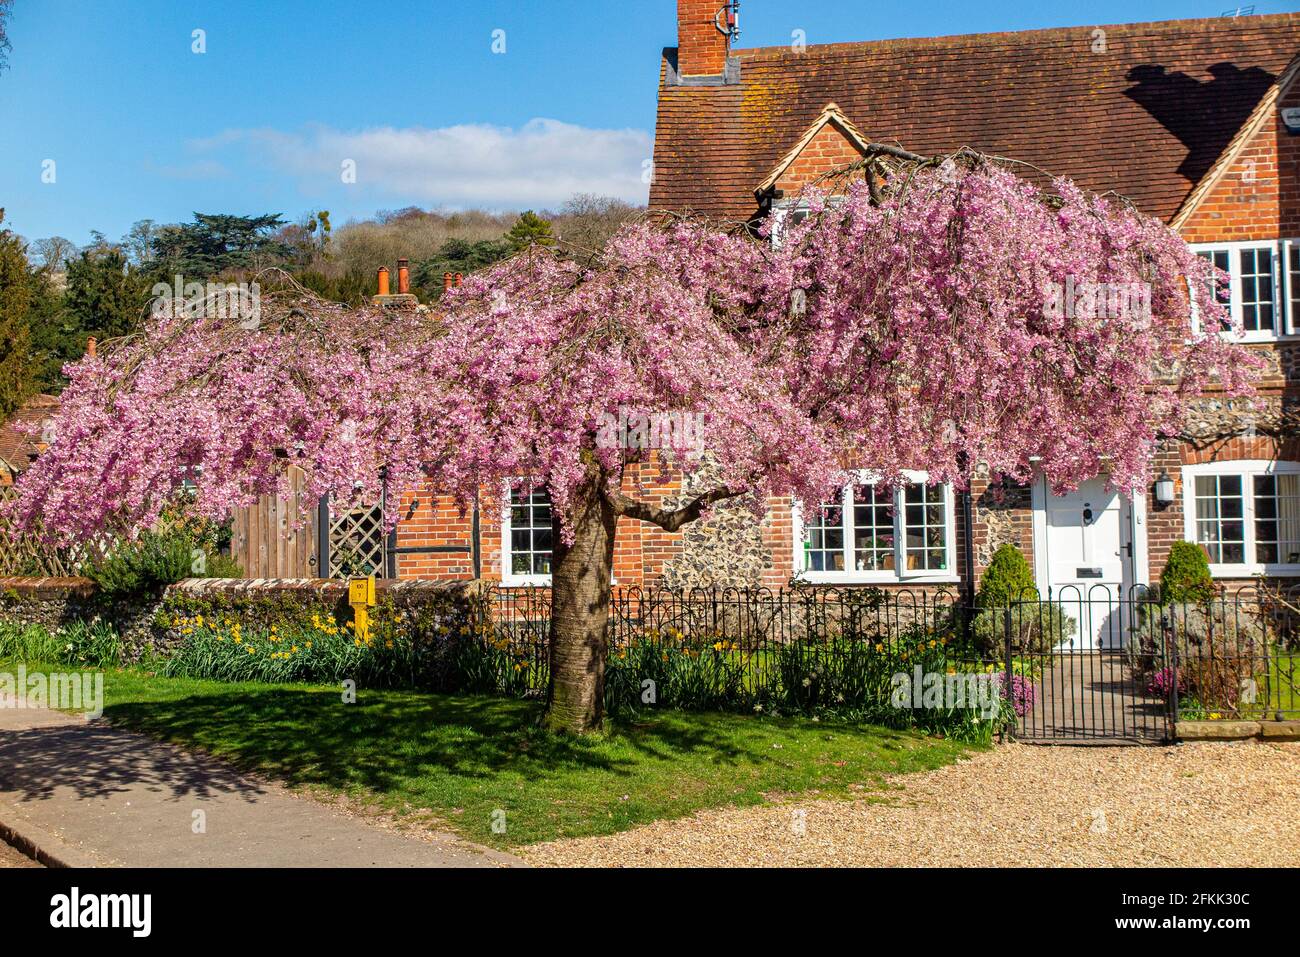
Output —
<point x="1088" y="667"/>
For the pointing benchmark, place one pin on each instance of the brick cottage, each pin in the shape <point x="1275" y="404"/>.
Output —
<point x="1188" y="119"/>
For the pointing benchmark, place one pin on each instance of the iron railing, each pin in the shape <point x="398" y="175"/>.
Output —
<point x="1081" y="666"/>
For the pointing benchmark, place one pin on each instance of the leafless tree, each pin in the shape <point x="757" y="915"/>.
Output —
<point x="53" y="253"/>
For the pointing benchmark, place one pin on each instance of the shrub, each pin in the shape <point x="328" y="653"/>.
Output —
<point x="143" y="568"/>
<point x="1186" y="576"/>
<point x="1035" y="629"/>
<point x="1008" y="579"/>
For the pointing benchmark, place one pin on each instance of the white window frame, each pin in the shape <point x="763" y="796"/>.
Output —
<point x="1248" y="469"/>
<point x="1278" y="249"/>
<point x="509" y="578"/>
<point x="899" y="574"/>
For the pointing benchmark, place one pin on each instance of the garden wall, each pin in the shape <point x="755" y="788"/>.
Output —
<point x="155" y="623"/>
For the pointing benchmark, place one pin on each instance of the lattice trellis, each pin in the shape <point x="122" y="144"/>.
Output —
<point x="358" y="542"/>
<point x="25" y="555"/>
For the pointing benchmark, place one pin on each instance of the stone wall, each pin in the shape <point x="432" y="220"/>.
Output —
<point x="153" y="625"/>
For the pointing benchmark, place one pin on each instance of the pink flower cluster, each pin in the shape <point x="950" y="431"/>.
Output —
<point x="916" y="334"/>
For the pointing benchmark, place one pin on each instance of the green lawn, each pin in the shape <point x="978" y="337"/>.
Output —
<point x="463" y="758"/>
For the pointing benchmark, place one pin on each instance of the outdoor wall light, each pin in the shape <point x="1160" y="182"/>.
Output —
<point x="1164" y="489"/>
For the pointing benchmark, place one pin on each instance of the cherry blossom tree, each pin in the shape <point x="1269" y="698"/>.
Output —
<point x="942" y="315"/>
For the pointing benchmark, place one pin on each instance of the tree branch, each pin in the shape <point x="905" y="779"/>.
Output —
<point x="669" y="521"/>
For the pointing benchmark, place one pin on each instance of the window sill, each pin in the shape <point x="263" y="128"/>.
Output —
<point x="526" y="581"/>
<point x="869" y="578"/>
<point x="1254" y="571"/>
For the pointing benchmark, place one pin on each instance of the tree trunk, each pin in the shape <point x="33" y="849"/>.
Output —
<point x="580" y="598"/>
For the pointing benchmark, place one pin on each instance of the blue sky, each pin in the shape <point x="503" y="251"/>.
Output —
<point x="140" y="126"/>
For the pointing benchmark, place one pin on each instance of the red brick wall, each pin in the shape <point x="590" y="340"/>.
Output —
<point x="1258" y="197"/>
<point x="829" y="149"/>
<point x="429" y="521"/>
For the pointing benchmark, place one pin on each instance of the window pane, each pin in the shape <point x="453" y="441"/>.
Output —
<point x="1293" y="281"/>
<point x="873" y="530"/>
<point x="530" y="532"/>
<point x="1277" y="519"/>
<point x="1219" y="526"/>
<point x="1221" y="290"/>
<point x="1256" y="289"/>
<point x="825" y="547"/>
<point x="925" y="527"/>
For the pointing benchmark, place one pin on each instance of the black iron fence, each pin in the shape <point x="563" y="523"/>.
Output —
<point x="1078" y="667"/>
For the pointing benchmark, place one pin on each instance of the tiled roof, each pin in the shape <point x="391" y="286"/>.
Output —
<point x="1147" y="117"/>
<point x="16" y="449"/>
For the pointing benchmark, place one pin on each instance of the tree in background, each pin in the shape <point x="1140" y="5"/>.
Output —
<point x="6" y="7"/>
<point x="138" y="242"/>
<point x="587" y="222"/>
<point x="219" y="244"/>
<point x="909" y="327"/>
<point x="52" y="254"/>
<point x="105" y="297"/>
<point x="530" y="230"/>
<point x="18" y="290"/>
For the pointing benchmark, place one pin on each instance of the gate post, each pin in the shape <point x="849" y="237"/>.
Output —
<point x="1007" y="687"/>
<point x="1171" y="656"/>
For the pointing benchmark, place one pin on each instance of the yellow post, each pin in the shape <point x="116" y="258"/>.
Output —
<point x="361" y="596"/>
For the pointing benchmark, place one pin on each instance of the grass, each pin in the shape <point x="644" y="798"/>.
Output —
<point x="464" y="758"/>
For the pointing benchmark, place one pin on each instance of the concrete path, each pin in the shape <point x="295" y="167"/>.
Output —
<point x="88" y="795"/>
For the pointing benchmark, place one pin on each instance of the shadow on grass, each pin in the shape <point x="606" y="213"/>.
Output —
<point x="387" y="741"/>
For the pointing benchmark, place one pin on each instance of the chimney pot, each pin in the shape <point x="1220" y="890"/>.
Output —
<point x="90" y="347"/>
<point x="459" y="278"/>
<point x="383" y="280"/>
<point x="404" y="277"/>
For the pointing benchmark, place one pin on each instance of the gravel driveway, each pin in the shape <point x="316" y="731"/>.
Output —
<point x="11" y="858"/>
<point x="1193" y="805"/>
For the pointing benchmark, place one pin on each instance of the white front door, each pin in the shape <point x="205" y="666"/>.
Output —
<point x="1088" y="558"/>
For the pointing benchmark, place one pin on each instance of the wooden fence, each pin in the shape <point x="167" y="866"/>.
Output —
<point x="264" y="541"/>
<point x="264" y="538"/>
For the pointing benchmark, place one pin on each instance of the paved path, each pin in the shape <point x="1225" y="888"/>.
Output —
<point x="1092" y="695"/>
<point x="90" y="795"/>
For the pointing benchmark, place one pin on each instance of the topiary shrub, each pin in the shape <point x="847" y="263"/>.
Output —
<point x="1007" y="579"/>
<point x="1186" y="577"/>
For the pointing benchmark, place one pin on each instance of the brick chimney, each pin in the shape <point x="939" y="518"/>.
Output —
<point x="703" y="36"/>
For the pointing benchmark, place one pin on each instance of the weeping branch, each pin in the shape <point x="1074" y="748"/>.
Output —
<point x="670" y="520"/>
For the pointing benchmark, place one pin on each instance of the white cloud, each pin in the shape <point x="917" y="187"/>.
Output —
<point x="541" y="164"/>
